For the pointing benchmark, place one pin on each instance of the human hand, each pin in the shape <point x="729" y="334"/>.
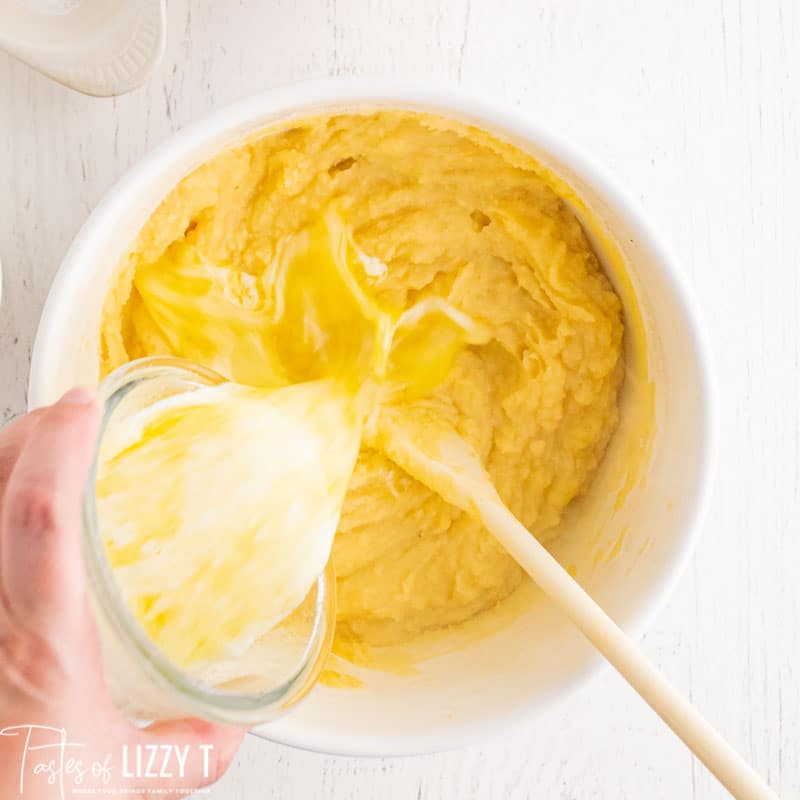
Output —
<point x="52" y="689"/>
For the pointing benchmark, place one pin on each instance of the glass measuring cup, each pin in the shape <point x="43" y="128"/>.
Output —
<point x="143" y="682"/>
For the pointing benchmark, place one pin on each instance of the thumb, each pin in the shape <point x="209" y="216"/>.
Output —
<point x="209" y="749"/>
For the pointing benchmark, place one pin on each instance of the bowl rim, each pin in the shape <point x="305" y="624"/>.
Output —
<point x="288" y="100"/>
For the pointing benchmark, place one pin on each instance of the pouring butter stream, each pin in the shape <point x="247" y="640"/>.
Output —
<point x="218" y="506"/>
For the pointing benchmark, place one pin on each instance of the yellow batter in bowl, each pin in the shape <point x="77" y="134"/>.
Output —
<point x="435" y="208"/>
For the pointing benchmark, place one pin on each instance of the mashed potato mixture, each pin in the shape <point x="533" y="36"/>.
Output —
<point x="436" y="209"/>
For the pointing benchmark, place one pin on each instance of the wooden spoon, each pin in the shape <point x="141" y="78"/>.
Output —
<point x="449" y="466"/>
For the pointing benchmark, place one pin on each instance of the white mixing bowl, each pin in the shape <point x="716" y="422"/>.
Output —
<point x="630" y="562"/>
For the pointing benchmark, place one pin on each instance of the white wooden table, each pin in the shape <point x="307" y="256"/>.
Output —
<point x="696" y="105"/>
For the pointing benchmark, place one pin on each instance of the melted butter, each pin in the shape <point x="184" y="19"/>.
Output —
<point x="252" y="473"/>
<point x="228" y="538"/>
<point x="310" y="314"/>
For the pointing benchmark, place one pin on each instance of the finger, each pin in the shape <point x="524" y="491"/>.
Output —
<point x="12" y="439"/>
<point x="42" y="566"/>
<point x="209" y="748"/>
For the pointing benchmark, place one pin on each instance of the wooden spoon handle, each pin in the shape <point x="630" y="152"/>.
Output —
<point x="699" y="736"/>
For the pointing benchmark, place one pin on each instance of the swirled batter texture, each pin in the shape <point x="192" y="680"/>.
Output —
<point x="435" y="208"/>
